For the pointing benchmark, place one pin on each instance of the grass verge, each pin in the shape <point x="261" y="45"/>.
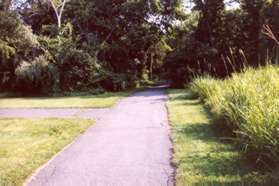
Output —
<point x="89" y="101"/>
<point x="245" y="106"/>
<point x="201" y="157"/>
<point x="26" y="144"/>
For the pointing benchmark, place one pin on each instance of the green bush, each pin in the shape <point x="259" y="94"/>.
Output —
<point x="6" y="51"/>
<point x="20" y="52"/>
<point x="9" y="24"/>
<point x="75" y="68"/>
<point x="248" y="105"/>
<point x="37" y="77"/>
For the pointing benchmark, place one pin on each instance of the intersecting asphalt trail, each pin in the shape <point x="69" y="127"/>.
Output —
<point x="128" y="146"/>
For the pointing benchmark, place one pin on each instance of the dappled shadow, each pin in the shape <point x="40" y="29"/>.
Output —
<point x="85" y="96"/>
<point x="191" y="103"/>
<point x="187" y="95"/>
<point x="150" y="101"/>
<point x="149" y="93"/>
<point x="219" y="161"/>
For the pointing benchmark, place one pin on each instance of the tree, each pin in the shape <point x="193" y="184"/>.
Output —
<point x="251" y="29"/>
<point x="103" y="44"/>
<point x="132" y="26"/>
<point x="58" y="7"/>
<point x="5" y="5"/>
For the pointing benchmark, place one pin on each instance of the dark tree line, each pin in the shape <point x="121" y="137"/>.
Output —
<point x="50" y="46"/>
<point x="217" y="40"/>
<point x="53" y="46"/>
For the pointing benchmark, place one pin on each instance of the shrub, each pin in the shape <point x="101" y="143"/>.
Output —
<point x="9" y="24"/>
<point x="75" y="69"/>
<point x="248" y="104"/>
<point x="18" y="45"/>
<point x="37" y="77"/>
<point x="6" y="51"/>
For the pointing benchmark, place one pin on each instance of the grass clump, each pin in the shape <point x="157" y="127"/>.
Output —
<point x="246" y="105"/>
<point x="25" y="144"/>
<point x="201" y="157"/>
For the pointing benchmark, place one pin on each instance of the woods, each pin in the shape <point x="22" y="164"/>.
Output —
<point x="219" y="38"/>
<point x="79" y="45"/>
<point x="220" y="57"/>
<point x="56" y="46"/>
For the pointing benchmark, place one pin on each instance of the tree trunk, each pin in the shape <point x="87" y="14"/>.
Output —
<point x="151" y="66"/>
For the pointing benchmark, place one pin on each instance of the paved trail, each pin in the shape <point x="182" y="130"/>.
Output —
<point x="130" y="146"/>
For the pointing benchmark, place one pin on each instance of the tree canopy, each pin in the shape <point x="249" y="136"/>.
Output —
<point x="218" y="39"/>
<point x="52" y="46"/>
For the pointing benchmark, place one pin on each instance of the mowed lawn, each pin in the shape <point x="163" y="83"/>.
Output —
<point x="200" y="155"/>
<point x="26" y="144"/>
<point x="88" y="101"/>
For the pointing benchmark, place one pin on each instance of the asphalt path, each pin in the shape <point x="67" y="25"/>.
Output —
<point x="129" y="145"/>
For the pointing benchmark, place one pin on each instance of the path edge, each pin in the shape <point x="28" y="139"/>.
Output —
<point x="32" y="177"/>
<point x="171" y="139"/>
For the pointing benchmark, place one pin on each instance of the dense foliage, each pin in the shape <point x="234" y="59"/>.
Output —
<point x="219" y="39"/>
<point x="50" y="46"/>
<point x="113" y="45"/>
<point x="246" y="106"/>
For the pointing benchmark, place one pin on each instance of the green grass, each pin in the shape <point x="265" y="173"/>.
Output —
<point x="90" y="101"/>
<point x="247" y="106"/>
<point x="201" y="157"/>
<point x="25" y="144"/>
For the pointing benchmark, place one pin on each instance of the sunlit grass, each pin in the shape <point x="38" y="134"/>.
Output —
<point x="90" y="101"/>
<point x="247" y="105"/>
<point x="25" y="144"/>
<point x="201" y="157"/>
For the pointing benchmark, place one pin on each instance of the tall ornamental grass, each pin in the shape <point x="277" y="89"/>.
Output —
<point x="248" y="105"/>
